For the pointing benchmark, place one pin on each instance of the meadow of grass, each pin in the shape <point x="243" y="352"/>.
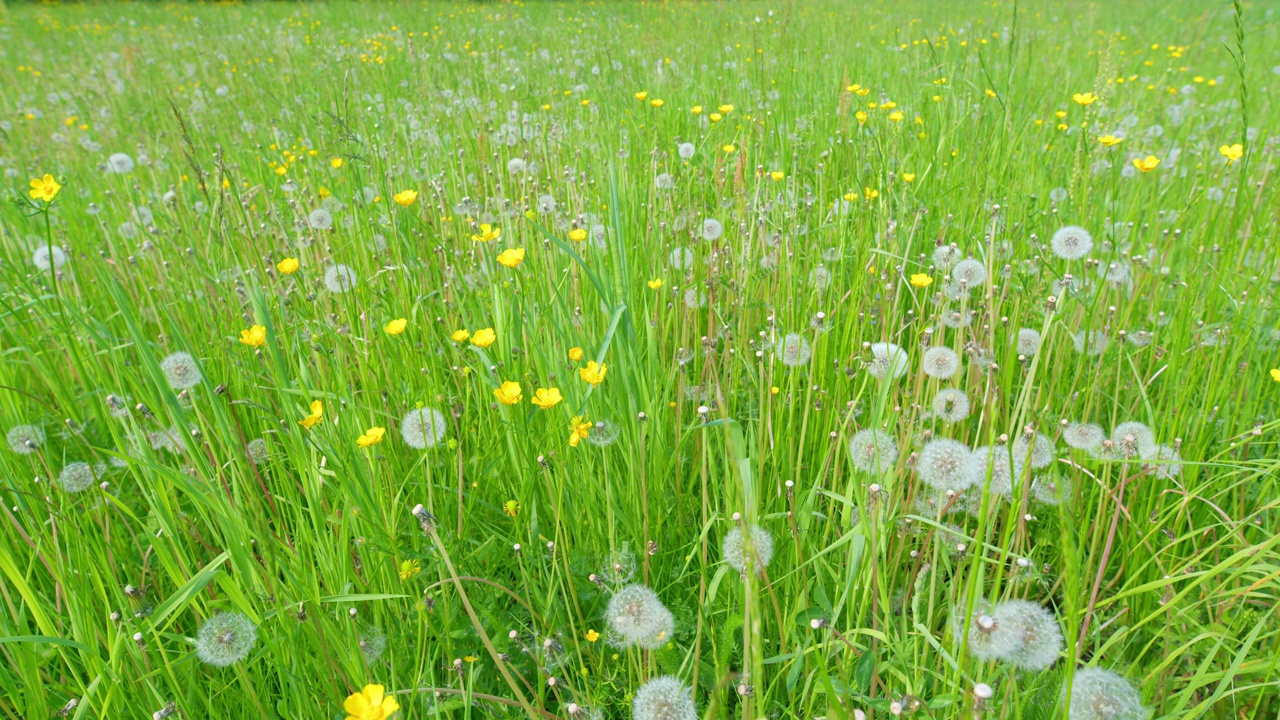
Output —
<point x="666" y="361"/>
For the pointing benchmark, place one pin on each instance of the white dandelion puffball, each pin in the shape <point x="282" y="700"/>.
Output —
<point x="734" y="548"/>
<point x="944" y="465"/>
<point x="873" y="451"/>
<point x="320" y="219"/>
<point x="940" y="362"/>
<point x="1098" y="694"/>
<point x="1028" y="342"/>
<point x="988" y="639"/>
<point x="951" y="405"/>
<point x="226" y="639"/>
<point x="637" y="617"/>
<point x="1004" y="472"/>
<point x="24" y="439"/>
<point x="946" y="256"/>
<point x="1037" y="452"/>
<point x="516" y="166"/>
<point x="971" y="272"/>
<point x="1165" y="462"/>
<point x="1090" y="342"/>
<point x="76" y="476"/>
<point x="257" y="449"/>
<point x="686" y="151"/>
<point x="181" y="371"/>
<point x="681" y="258"/>
<point x="795" y="351"/>
<point x="1037" y="631"/>
<point x="664" y="698"/>
<point x="1133" y="440"/>
<point x="423" y="428"/>
<point x="712" y="229"/>
<point x="48" y="257"/>
<point x="340" y="278"/>
<point x="372" y="642"/>
<point x="664" y="181"/>
<point x="1071" y="242"/>
<point x="1083" y="436"/>
<point x="1045" y="489"/>
<point x="120" y="163"/>
<point x="888" y="361"/>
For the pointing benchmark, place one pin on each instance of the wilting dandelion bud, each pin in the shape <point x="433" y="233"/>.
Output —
<point x="137" y="638"/>
<point x="164" y="712"/>
<point x="425" y="519"/>
<point x="734" y="550"/>
<point x="664" y="698"/>
<point x="1098" y="694"/>
<point x="226" y="639"/>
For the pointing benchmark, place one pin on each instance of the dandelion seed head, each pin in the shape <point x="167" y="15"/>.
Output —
<point x="637" y="617"/>
<point x="946" y="256"/>
<point x="48" y="257"/>
<point x="1133" y="440"/>
<point x="257" y="451"/>
<point x="604" y="433"/>
<point x="734" y="548"/>
<point x="873" y="451"/>
<point x="795" y="351"/>
<point x="1004" y="472"/>
<point x="944" y="465"/>
<point x="1028" y="342"/>
<point x="1090" y="342"/>
<point x="76" y="476"/>
<point x="988" y="639"/>
<point x="24" y="439"/>
<point x="373" y="643"/>
<point x="181" y="371"/>
<point x="1163" y="461"/>
<point x="320" y="219"/>
<point x="225" y="639"/>
<point x="712" y="229"/>
<point x="888" y="361"/>
<point x="1071" y="242"/>
<point x="1083" y="436"/>
<point x="1037" y="452"/>
<point x="423" y="428"/>
<point x="971" y="272"/>
<point x="1098" y="694"/>
<point x="1036" y="630"/>
<point x="686" y="151"/>
<point x="940" y="362"/>
<point x="951" y="404"/>
<point x="681" y="258"/>
<point x="339" y="279"/>
<point x="120" y="163"/>
<point x="664" y="698"/>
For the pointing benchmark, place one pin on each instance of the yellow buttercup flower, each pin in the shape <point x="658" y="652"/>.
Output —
<point x="509" y="393"/>
<point x="288" y="266"/>
<point x="921" y="280"/>
<point x="593" y="373"/>
<point x="1084" y="98"/>
<point x="578" y="234"/>
<point x="317" y="412"/>
<point x="728" y="148"/>
<point x="371" y="437"/>
<point x="696" y="109"/>
<point x="1275" y="374"/>
<point x="861" y="117"/>
<point x="909" y="177"/>
<point x="255" y="336"/>
<point x="656" y="102"/>
<point x="870" y="194"/>
<point x="725" y="109"/>
<point x="511" y="257"/>
<point x="488" y="233"/>
<point x="483" y="338"/>
<point x="371" y="703"/>
<point x="578" y="430"/>
<point x="655" y="283"/>
<point x="592" y="636"/>
<point x="335" y="163"/>
<point x="546" y="398"/>
<point x="44" y="188"/>
<point x="460" y="335"/>
<point x="715" y="117"/>
<point x="511" y="507"/>
<point x="1110" y="140"/>
<point x="575" y="354"/>
<point x="1146" y="164"/>
<point x="896" y="116"/>
<point x="641" y="95"/>
<point x="397" y="326"/>
<point x="777" y="175"/>
<point x="405" y="198"/>
<point x="1231" y="152"/>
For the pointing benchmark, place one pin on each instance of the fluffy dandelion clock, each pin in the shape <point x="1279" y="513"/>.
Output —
<point x="794" y="350"/>
<point x="372" y="642"/>
<point x="24" y="439"/>
<point x="873" y="451"/>
<point x="225" y="639"/>
<point x="888" y="361"/>
<point x="1163" y="461"/>
<point x="339" y="279"/>
<point x="988" y="639"/>
<point x="181" y="371"/>
<point x="257" y="449"/>
<point x="120" y="163"/>
<point x="686" y="151"/>
<point x="1004" y="472"/>
<point x="971" y="272"/>
<point x="1037" y="452"/>
<point x="946" y="256"/>
<point x="638" y="617"/>
<point x="46" y="257"/>
<point x="76" y="476"/>
<point x="712" y="229"/>
<point x="1098" y="694"/>
<point x="516" y="166"/>
<point x="1071" y="242"/>
<point x="1039" y="637"/>
<point x="940" y="362"/>
<point x="1090" y="342"/>
<point x="664" y="698"/>
<point x="1133" y="440"/>
<point x="1027" y="342"/>
<point x="320" y="219"/>
<point x="1045" y="489"/>
<point x="1083" y="436"/>
<point x="423" y="428"/>
<point x="734" y="550"/>
<point x="951" y="405"/>
<point x="681" y="258"/>
<point x="944" y="465"/>
<point x="664" y="181"/>
<point x="604" y="433"/>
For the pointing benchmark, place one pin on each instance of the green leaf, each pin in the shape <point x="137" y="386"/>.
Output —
<point x="179" y="600"/>
<point x="43" y="640"/>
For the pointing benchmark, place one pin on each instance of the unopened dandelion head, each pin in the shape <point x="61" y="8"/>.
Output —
<point x="226" y="639"/>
